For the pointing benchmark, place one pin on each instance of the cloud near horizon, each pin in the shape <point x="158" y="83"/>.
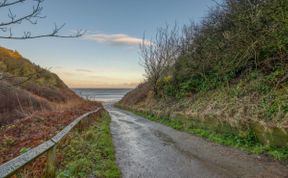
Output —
<point x="115" y="39"/>
<point x="86" y="78"/>
<point x="84" y="70"/>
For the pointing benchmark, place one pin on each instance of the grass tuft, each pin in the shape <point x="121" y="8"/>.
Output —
<point x="90" y="153"/>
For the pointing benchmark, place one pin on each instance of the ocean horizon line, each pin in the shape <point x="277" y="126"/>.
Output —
<point x="103" y="88"/>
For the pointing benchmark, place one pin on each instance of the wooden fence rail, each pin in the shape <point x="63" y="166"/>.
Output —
<point x="11" y="167"/>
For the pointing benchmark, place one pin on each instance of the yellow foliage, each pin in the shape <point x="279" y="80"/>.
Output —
<point x="167" y="79"/>
<point x="10" y="53"/>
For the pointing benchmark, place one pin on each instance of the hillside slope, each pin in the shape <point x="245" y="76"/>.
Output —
<point x="34" y="104"/>
<point x="26" y="87"/>
<point x="230" y="74"/>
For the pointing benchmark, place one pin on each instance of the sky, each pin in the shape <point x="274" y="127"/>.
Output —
<point x="107" y="56"/>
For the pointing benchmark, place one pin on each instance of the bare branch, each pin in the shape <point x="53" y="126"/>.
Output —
<point x="53" y="34"/>
<point x="32" y="18"/>
<point x="5" y="3"/>
<point x="159" y="55"/>
<point x="34" y="14"/>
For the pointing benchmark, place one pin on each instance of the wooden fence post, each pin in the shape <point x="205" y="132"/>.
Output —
<point x="81" y="126"/>
<point x="50" y="170"/>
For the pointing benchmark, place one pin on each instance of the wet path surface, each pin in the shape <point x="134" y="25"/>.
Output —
<point x="148" y="149"/>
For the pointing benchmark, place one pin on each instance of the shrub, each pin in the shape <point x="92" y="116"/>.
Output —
<point x="235" y="37"/>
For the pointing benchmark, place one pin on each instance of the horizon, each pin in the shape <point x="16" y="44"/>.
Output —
<point x="107" y="55"/>
<point x="102" y="88"/>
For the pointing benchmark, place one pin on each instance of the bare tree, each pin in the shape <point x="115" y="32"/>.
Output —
<point x="160" y="54"/>
<point x="14" y="19"/>
<point x="188" y="33"/>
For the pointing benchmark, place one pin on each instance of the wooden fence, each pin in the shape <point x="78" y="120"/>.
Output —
<point x="13" y="166"/>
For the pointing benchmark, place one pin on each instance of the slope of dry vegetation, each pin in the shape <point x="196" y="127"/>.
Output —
<point x="26" y="87"/>
<point x="38" y="127"/>
<point x="34" y="104"/>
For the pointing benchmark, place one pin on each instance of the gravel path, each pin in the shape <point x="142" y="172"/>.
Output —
<point x="146" y="149"/>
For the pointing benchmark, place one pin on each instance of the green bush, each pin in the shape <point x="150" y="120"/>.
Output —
<point x="237" y="37"/>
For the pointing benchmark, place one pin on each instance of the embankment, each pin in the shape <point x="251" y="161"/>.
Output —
<point x="35" y="104"/>
<point x="235" y="120"/>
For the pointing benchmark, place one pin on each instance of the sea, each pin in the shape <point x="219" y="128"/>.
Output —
<point x="106" y="95"/>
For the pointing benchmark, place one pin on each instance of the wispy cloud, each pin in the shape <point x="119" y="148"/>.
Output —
<point x="115" y="39"/>
<point x="83" y="70"/>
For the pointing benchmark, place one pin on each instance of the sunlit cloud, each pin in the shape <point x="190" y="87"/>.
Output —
<point x="115" y="39"/>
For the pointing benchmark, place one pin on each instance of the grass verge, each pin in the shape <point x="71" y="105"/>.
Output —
<point x="89" y="153"/>
<point x="246" y="142"/>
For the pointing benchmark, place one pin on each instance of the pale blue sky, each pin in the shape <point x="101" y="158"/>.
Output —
<point x="109" y="58"/>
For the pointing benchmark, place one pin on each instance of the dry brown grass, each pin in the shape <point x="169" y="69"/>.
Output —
<point x="20" y="101"/>
<point x="39" y="126"/>
<point x="16" y="103"/>
<point x="137" y="95"/>
<point x="60" y="94"/>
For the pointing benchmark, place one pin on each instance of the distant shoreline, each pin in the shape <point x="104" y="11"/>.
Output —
<point x="103" y="88"/>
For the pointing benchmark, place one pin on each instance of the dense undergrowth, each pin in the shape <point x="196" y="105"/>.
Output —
<point x="90" y="153"/>
<point x="236" y="38"/>
<point x="237" y="55"/>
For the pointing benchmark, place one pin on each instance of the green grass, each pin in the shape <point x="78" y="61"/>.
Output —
<point x="90" y="152"/>
<point x="246" y="142"/>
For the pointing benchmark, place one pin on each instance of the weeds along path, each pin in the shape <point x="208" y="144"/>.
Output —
<point x="149" y="149"/>
<point x="89" y="153"/>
